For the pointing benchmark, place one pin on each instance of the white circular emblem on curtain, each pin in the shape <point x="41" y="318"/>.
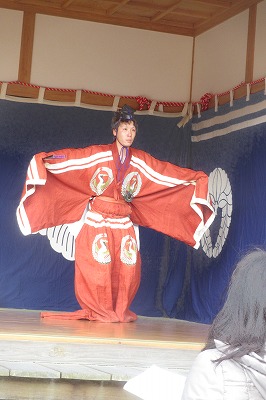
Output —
<point x="221" y="197"/>
<point x="128" y="250"/>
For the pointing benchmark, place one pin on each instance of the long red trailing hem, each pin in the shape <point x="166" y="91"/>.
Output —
<point x="87" y="315"/>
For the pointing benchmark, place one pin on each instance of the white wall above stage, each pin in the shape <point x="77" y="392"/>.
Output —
<point x="10" y="39"/>
<point x="260" y="51"/>
<point x="111" y="59"/>
<point x="123" y="61"/>
<point x="220" y="57"/>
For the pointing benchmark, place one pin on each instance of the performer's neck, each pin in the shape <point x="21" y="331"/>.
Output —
<point x="122" y="151"/>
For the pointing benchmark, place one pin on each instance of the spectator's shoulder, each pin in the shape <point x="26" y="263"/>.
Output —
<point x="208" y="356"/>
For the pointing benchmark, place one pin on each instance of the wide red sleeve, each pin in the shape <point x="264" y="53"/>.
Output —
<point x="57" y="187"/>
<point x="172" y="200"/>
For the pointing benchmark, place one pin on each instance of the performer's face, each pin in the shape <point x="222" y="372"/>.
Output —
<point x="125" y="134"/>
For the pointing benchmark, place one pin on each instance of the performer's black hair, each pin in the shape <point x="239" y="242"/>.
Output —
<point x="125" y="114"/>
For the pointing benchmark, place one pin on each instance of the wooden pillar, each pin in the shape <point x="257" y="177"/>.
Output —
<point x="192" y="70"/>
<point x="251" y="43"/>
<point x="27" y="37"/>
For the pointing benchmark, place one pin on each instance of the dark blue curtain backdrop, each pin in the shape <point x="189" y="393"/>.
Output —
<point x="177" y="281"/>
<point x="232" y="139"/>
<point x="33" y="275"/>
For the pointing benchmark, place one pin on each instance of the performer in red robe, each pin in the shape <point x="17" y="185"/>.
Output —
<point x="112" y="187"/>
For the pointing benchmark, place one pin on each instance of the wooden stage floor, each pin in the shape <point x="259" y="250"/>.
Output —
<point x="81" y="351"/>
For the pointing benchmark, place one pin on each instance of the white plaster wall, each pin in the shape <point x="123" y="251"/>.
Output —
<point x="110" y="59"/>
<point x="220" y="57"/>
<point x="126" y="61"/>
<point x="10" y="40"/>
<point x="260" y="47"/>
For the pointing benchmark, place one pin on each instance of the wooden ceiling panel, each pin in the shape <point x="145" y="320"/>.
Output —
<point x="180" y="17"/>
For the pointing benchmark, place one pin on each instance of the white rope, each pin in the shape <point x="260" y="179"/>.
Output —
<point x="248" y="92"/>
<point x="187" y="117"/>
<point x="152" y="107"/>
<point x="216" y="103"/>
<point x="41" y="95"/>
<point x="78" y="98"/>
<point x="116" y="103"/>
<point x="185" y="109"/>
<point x="3" y="90"/>
<point x="231" y="98"/>
<point x="198" y="110"/>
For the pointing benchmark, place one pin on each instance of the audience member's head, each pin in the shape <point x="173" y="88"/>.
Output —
<point x="241" y="323"/>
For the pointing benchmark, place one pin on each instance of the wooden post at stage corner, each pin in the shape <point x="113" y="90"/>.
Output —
<point x="251" y="39"/>
<point x="26" y="49"/>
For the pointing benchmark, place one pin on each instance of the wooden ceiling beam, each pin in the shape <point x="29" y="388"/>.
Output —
<point x="216" y="3"/>
<point x="112" y="10"/>
<point x="191" y="13"/>
<point x="158" y="23"/>
<point x="67" y="3"/>
<point x="160" y="15"/>
<point x="143" y="23"/>
<point x="225" y="15"/>
<point x="161" y="8"/>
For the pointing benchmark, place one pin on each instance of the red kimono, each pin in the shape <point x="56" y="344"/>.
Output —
<point x="143" y="191"/>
